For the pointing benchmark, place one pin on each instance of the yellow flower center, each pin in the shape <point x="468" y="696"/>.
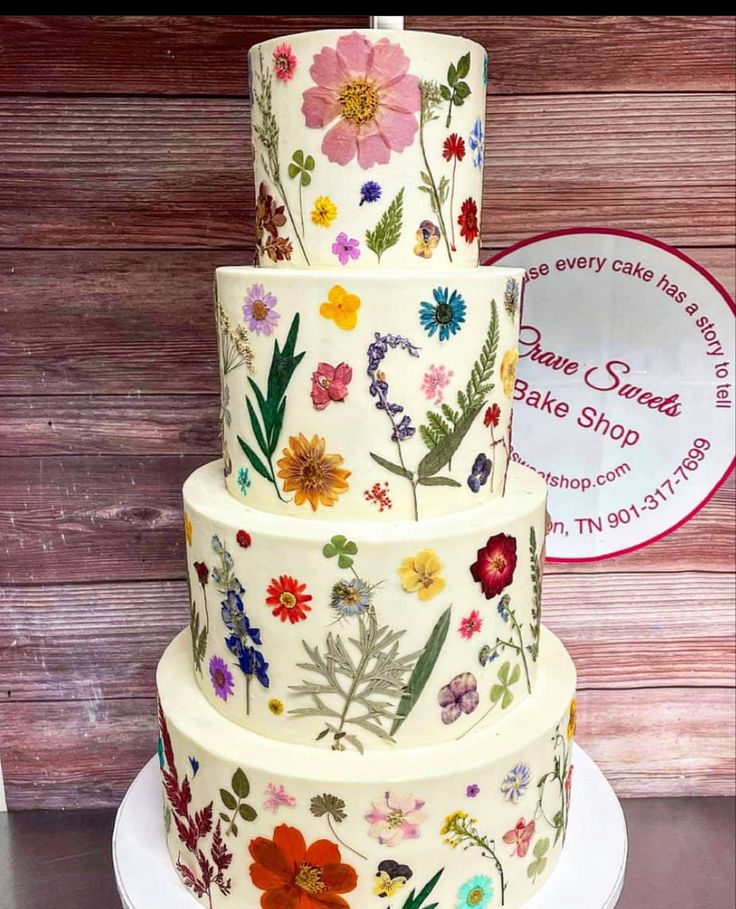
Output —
<point x="312" y="473"/>
<point x="498" y="563"/>
<point x="259" y="310"/>
<point x="475" y="897"/>
<point x="359" y="100"/>
<point x="309" y="879"/>
<point x="324" y="382"/>
<point x="276" y="707"/>
<point x="394" y="820"/>
<point x="426" y="579"/>
<point x="288" y="600"/>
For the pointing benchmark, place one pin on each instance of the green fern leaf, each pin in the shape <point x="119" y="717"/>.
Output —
<point x="388" y="230"/>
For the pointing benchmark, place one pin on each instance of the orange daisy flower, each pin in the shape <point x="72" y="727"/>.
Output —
<point x="311" y="473"/>
<point x="295" y="876"/>
<point x="288" y="599"/>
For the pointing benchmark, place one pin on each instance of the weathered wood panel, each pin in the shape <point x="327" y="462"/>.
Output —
<point x="64" y="642"/>
<point x="94" y="322"/>
<point x="654" y="741"/>
<point x="105" y="517"/>
<point x="189" y="55"/>
<point x="173" y="172"/>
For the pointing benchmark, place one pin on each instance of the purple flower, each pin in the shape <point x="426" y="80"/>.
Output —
<point x="516" y="782"/>
<point x="379" y="386"/>
<point x="480" y="472"/>
<point x="472" y="791"/>
<point x="345" y="248"/>
<point x="370" y="192"/>
<point x="460" y="696"/>
<point x="222" y="678"/>
<point x="259" y="310"/>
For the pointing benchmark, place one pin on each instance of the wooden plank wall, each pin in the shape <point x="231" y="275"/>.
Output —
<point x="124" y="179"/>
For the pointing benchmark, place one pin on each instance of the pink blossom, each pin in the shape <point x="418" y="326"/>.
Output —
<point x="345" y="248"/>
<point x="364" y="94"/>
<point x="471" y="624"/>
<point x="436" y="378"/>
<point x="284" y="63"/>
<point x="330" y="383"/>
<point x="277" y="797"/>
<point x="520" y="837"/>
<point x="394" y="818"/>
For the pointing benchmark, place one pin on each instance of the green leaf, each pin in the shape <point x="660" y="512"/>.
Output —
<point x="463" y="66"/>
<point x="256" y="427"/>
<point x="462" y="90"/>
<point x="541" y="848"/>
<point x="293" y="170"/>
<point x="234" y="829"/>
<point x="228" y="799"/>
<point x="452" y="74"/>
<point x="247" y="813"/>
<point x="445" y="92"/>
<point x="224" y="817"/>
<point x="309" y="163"/>
<point x="329" y="551"/>
<point x="394" y="468"/>
<point x="459" y="101"/>
<point x="298" y="156"/>
<point x="503" y="672"/>
<point x="350" y="548"/>
<point x="241" y="786"/>
<point x="339" y="541"/>
<point x="416" y="900"/>
<point x="344" y="561"/>
<point x="255" y="461"/>
<point x="515" y="675"/>
<point x="422" y="670"/>
<point x="388" y="230"/>
<point x="508" y="697"/>
<point x="497" y="693"/>
<point x="437" y="481"/>
<point x="306" y="179"/>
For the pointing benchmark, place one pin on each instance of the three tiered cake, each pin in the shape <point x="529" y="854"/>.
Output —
<point x="366" y="710"/>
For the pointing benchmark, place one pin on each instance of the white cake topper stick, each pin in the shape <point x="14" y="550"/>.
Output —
<point x="395" y="22"/>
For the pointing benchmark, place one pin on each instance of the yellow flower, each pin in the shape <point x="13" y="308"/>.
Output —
<point x="315" y="476"/>
<point x="187" y="528"/>
<point x="428" y="238"/>
<point x="451" y="822"/>
<point x="572" y="722"/>
<point x="324" y="211"/>
<point x="385" y="885"/>
<point x="508" y="371"/>
<point x="342" y="308"/>
<point x="275" y="706"/>
<point x="421" y="573"/>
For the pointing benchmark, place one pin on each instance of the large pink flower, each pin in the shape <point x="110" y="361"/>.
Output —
<point x="394" y="818"/>
<point x="365" y="95"/>
<point x="330" y="383"/>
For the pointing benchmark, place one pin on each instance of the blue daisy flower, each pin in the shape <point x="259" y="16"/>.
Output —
<point x="476" y="893"/>
<point x="350" y="597"/>
<point x="447" y="313"/>
<point x="516" y="782"/>
<point x="475" y="141"/>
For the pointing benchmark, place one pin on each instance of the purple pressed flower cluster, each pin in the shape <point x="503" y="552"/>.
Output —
<point x="370" y="192"/>
<point x="458" y="697"/>
<point x="402" y="429"/>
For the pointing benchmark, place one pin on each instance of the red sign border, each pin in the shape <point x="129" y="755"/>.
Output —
<point x="631" y="235"/>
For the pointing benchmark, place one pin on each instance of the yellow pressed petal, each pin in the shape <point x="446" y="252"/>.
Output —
<point x="337" y="294"/>
<point x="346" y="320"/>
<point x="431" y="590"/>
<point x="327" y="310"/>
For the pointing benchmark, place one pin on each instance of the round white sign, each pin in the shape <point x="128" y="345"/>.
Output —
<point x="624" y="399"/>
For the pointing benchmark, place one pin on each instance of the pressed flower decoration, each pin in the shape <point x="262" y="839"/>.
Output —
<point x="422" y="574"/>
<point x="324" y="212"/>
<point x="492" y="416"/>
<point x="468" y="220"/>
<point x="453" y="150"/>
<point x="391" y="878"/>
<point x="461" y="830"/>
<point x="330" y="383"/>
<point x="445" y="315"/>
<point x="508" y="371"/>
<point x="495" y="564"/>
<point x="428" y="239"/>
<point x="458" y="697"/>
<point x="333" y="808"/>
<point x="572" y="721"/>
<point x="289" y="599"/>
<point x="342" y="307"/>
<point x="479" y="472"/>
<point x="476" y="893"/>
<point x="470" y="625"/>
<point x="243" y="539"/>
<point x="370" y="191"/>
<point x="472" y="791"/>
<point x="366" y="96"/>
<point x="434" y="382"/>
<point x="314" y="475"/>
<point x="276" y="706"/>
<point x="350" y="597"/>
<point x="475" y="141"/>
<point x="259" y="310"/>
<point x="516" y="782"/>
<point x="379" y="495"/>
<point x="520" y="837"/>
<point x="395" y="817"/>
<point x="277" y="797"/>
<point x="222" y="678"/>
<point x="345" y="248"/>
<point x="296" y="876"/>
<point x="511" y="297"/>
<point x="187" y="529"/>
<point x="244" y="483"/>
<point x="284" y="63"/>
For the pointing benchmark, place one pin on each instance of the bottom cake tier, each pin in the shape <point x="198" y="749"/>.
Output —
<point x="468" y="824"/>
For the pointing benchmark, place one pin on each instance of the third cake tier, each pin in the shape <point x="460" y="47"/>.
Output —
<point x="367" y="397"/>
<point x="362" y="636"/>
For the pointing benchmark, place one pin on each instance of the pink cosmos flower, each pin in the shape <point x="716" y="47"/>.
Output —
<point x="366" y="97"/>
<point x="277" y="797"/>
<point x="284" y="63"/>
<point x="435" y="380"/>
<point x="394" y="818"/>
<point x="471" y="624"/>
<point x="345" y="248"/>
<point x="259" y="310"/>
<point x="520" y="837"/>
<point x="330" y="383"/>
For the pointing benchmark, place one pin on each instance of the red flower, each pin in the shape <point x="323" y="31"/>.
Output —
<point x="494" y="567"/>
<point x="493" y="415"/>
<point x="454" y="147"/>
<point x="520" y="837"/>
<point x="468" y="220"/>
<point x="330" y="383"/>
<point x="568" y="783"/>
<point x="243" y="538"/>
<point x="295" y="876"/>
<point x="203" y="572"/>
<point x="288" y="599"/>
<point x="471" y="624"/>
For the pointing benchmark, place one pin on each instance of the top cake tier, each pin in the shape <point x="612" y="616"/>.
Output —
<point x="368" y="149"/>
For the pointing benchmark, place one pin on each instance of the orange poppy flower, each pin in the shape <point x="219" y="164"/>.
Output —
<point x="294" y="876"/>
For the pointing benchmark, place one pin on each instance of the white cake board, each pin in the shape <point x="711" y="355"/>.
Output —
<point x="589" y="875"/>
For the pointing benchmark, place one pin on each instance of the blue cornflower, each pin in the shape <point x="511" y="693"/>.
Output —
<point x="370" y="192"/>
<point x="194" y="764"/>
<point x="475" y="141"/>
<point x="480" y="472"/>
<point x="503" y="607"/>
<point x="447" y="313"/>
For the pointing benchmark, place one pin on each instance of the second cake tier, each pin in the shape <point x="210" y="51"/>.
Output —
<point x="367" y="397"/>
<point x="362" y="636"/>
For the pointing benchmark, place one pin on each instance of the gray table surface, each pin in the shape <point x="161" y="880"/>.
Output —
<point x="682" y="855"/>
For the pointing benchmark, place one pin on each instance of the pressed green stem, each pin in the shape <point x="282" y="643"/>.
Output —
<point x="280" y="187"/>
<point x="452" y="193"/>
<point x="247" y="694"/>
<point x="521" y="651"/>
<point x="206" y="610"/>
<point x="342" y="841"/>
<point x="435" y="193"/>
